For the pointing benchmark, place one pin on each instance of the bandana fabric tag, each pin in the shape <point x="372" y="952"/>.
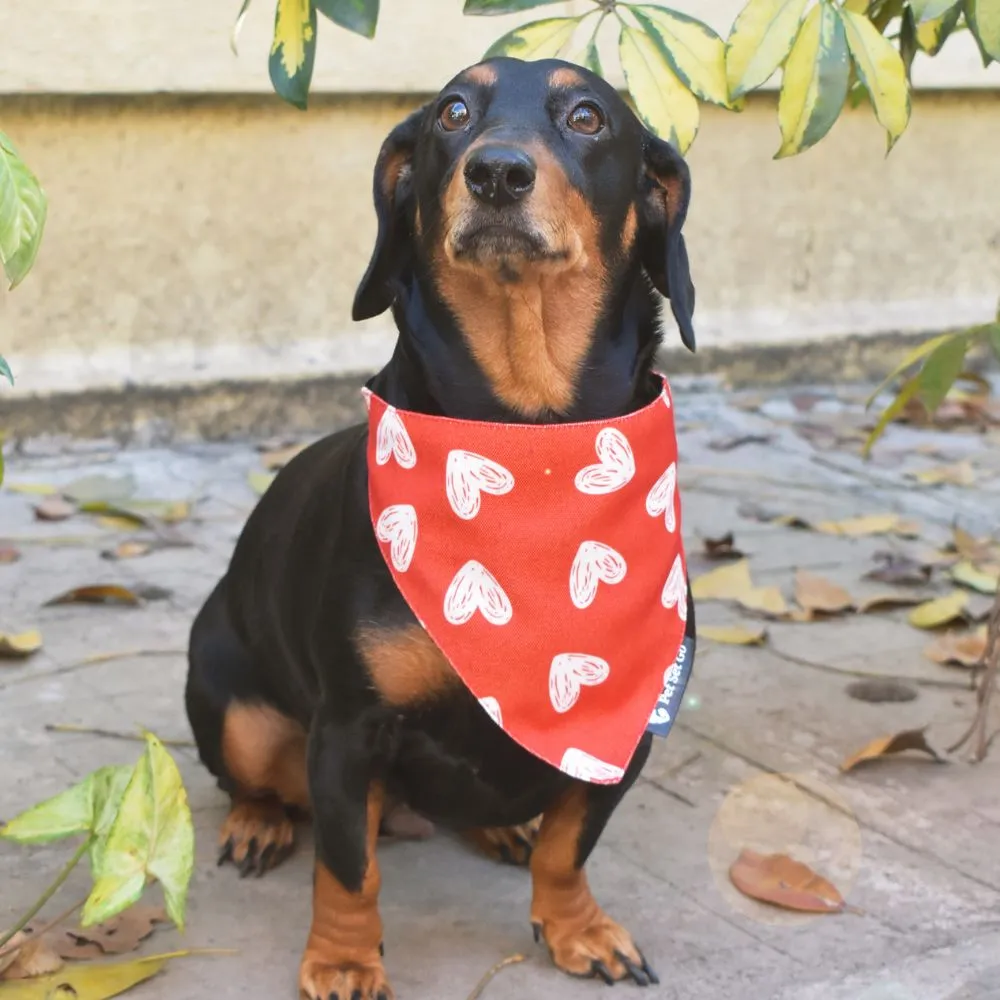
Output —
<point x="545" y="562"/>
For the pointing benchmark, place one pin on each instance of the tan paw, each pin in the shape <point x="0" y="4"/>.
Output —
<point x="511" y="845"/>
<point x="355" y="978"/>
<point x="256" y="836"/>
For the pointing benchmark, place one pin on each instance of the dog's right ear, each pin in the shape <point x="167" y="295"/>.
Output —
<point x="393" y="189"/>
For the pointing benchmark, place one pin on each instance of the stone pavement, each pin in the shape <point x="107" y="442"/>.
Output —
<point x="753" y="760"/>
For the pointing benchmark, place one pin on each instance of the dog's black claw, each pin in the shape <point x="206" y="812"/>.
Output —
<point x="654" y="979"/>
<point x="505" y="856"/>
<point x="537" y="931"/>
<point x="637" y="973"/>
<point x="226" y="853"/>
<point x="250" y="861"/>
<point x="267" y="859"/>
<point x="381" y="949"/>
<point x="356" y="995"/>
<point x="382" y="996"/>
<point x="600" y="970"/>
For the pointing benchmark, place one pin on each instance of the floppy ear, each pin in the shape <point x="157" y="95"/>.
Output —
<point x="393" y="188"/>
<point x="663" y="206"/>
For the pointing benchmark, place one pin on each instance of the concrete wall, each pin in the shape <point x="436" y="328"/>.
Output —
<point x="220" y="234"/>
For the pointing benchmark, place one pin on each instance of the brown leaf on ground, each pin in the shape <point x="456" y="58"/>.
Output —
<point x="910" y="739"/>
<point x="959" y="474"/>
<point x="899" y="570"/>
<point x="960" y="649"/>
<point x="723" y="547"/>
<point x="8" y="954"/>
<point x="782" y="881"/>
<point x="117" y="936"/>
<point x="104" y="593"/>
<point x="54" y="508"/>
<point x="8" y="554"/>
<point x="18" y="645"/>
<point x="733" y="635"/>
<point x="280" y="457"/>
<point x="816" y="594"/>
<point x="128" y="550"/>
<point x="887" y="601"/>
<point x="738" y="440"/>
<point x="940" y="611"/>
<point x="975" y="550"/>
<point x="870" y="524"/>
<point x="34" y="958"/>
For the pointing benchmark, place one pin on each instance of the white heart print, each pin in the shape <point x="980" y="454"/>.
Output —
<point x="474" y="588"/>
<point x="397" y="526"/>
<point x="492" y="707"/>
<point x="580" y="764"/>
<point x="467" y="475"/>
<point x="594" y="563"/>
<point x="569" y="673"/>
<point x="391" y="439"/>
<point x="616" y="466"/>
<point x="675" y="590"/>
<point x="660" y="499"/>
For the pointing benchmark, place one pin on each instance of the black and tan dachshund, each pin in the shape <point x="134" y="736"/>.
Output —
<point x="525" y="217"/>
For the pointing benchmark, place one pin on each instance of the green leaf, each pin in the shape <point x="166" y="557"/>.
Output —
<point x="359" y="16"/>
<point x="940" y="370"/>
<point x="5" y="370"/>
<point x="815" y="81"/>
<point x="893" y="410"/>
<point x="80" y="809"/>
<point x="151" y="837"/>
<point x="760" y="40"/>
<point x="588" y="56"/>
<point x="881" y="70"/>
<point x="663" y="102"/>
<point x="535" y="40"/>
<point x="293" y="50"/>
<point x="930" y="10"/>
<point x="696" y="54"/>
<point x="917" y="354"/>
<point x="994" y="336"/>
<point x="983" y="18"/>
<point x="931" y="35"/>
<point x="23" y="207"/>
<point x="84" y="981"/>
<point x="489" y="7"/>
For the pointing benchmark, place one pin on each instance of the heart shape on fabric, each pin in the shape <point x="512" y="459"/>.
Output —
<point x="675" y="590"/>
<point x="467" y="475"/>
<point x="492" y="707"/>
<point x="616" y="466"/>
<point x="397" y="526"/>
<point x="391" y="439"/>
<point x="594" y="563"/>
<point x="660" y="499"/>
<point x="569" y="673"/>
<point x="474" y="588"/>
<point x="586" y="767"/>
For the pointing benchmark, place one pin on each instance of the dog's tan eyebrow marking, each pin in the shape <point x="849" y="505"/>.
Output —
<point x="486" y="76"/>
<point x="564" y="78"/>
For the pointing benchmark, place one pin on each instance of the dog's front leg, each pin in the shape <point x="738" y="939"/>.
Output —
<point x="342" y="960"/>
<point x="582" y="938"/>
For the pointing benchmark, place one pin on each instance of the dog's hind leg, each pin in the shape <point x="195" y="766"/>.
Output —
<point x="511" y="845"/>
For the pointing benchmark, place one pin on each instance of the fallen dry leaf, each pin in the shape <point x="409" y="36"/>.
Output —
<point x="910" y="739"/>
<point x="816" y="594"/>
<point x="105" y="593"/>
<point x="755" y="512"/>
<point x="117" y="936"/>
<point x="961" y="649"/>
<point x="975" y="550"/>
<point x="782" y="881"/>
<point x="18" y="645"/>
<point x="870" y="524"/>
<point x="941" y="611"/>
<point x="887" y="601"/>
<point x="87" y="982"/>
<point x="260" y="481"/>
<point x="128" y="550"/>
<point x="738" y="440"/>
<point x="54" y="508"/>
<point x="8" y="554"/>
<point x="723" y="547"/>
<point x="8" y="954"/>
<point x="723" y="584"/>
<point x="984" y="578"/>
<point x="733" y="635"/>
<point x="766" y="600"/>
<point x="959" y="474"/>
<point x="34" y="958"/>
<point x="899" y="569"/>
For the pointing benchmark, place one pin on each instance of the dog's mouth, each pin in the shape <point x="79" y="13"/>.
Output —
<point x="505" y="244"/>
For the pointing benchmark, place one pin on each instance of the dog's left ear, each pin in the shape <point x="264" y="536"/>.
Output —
<point x="393" y="190"/>
<point x="663" y="205"/>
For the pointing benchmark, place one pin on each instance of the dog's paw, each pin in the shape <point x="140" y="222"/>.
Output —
<point x="352" y="979"/>
<point x="256" y="836"/>
<point x="599" y="948"/>
<point x="511" y="845"/>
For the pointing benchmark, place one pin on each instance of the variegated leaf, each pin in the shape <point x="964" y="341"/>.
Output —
<point x="293" y="50"/>
<point x="983" y="18"/>
<point x="359" y="16"/>
<point x="536" y="40"/>
<point x="760" y="41"/>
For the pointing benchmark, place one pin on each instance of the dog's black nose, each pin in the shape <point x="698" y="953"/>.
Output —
<point x="500" y="175"/>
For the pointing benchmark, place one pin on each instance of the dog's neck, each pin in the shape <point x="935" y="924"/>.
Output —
<point x="433" y="370"/>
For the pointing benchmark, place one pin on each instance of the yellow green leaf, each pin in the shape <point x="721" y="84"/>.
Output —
<point x="151" y="836"/>
<point x="940" y="370"/>
<point x="260" y="481"/>
<point x="491" y="7"/>
<point x="760" y="40"/>
<point x="766" y="600"/>
<point x="917" y="354"/>
<point x="18" y="645"/>
<point x="23" y="208"/>
<point x="893" y="410"/>
<point x="983" y="17"/>
<point x="815" y="81"/>
<point x="293" y="50"/>
<point x="941" y="611"/>
<point x="985" y="579"/>
<point x="728" y="582"/>
<point x="931" y="35"/>
<point x="543" y="39"/>
<point x="881" y="70"/>
<point x="663" y="102"/>
<point x="696" y="54"/>
<point x="83" y="981"/>
<point x="930" y="10"/>
<point x="733" y="635"/>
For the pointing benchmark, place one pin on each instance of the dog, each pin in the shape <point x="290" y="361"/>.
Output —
<point x="526" y="220"/>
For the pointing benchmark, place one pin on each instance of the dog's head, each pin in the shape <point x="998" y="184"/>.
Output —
<point x="533" y="186"/>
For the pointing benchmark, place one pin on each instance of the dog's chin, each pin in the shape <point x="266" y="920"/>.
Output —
<point x="502" y="249"/>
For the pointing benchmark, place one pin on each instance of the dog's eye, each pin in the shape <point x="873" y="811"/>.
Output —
<point x="454" y="116"/>
<point x="586" y="118"/>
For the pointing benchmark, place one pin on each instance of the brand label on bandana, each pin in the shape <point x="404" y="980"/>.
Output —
<point x="545" y="561"/>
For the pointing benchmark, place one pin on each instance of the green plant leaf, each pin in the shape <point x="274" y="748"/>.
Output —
<point x="488" y="7"/>
<point x="588" y="56"/>
<point x="83" y="981"/>
<point x="151" y="837"/>
<point x="894" y="409"/>
<point x="359" y="16"/>
<point x="930" y="10"/>
<point x="760" y="40"/>
<point x="5" y="370"/>
<point x="663" y="102"/>
<point x="536" y="40"/>
<point x="983" y="18"/>
<point x="880" y="68"/>
<point x="917" y="354"/>
<point x="87" y="807"/>
<point x="931" y="35"/>
<point x="293" y="50"/>
<point x="23" y="208"/>
<point x="994" y="338"/>
<point x="939" y="371"/>
<point x="815" y="81"/>
<point x="696" y="54"/>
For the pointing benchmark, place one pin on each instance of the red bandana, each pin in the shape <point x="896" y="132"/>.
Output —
<point x="545" y="561"/>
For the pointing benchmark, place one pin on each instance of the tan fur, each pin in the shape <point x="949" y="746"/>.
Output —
<point x="485" y="76"/>
<point x="405" y="665"/>
<point x="566" y="78"/>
